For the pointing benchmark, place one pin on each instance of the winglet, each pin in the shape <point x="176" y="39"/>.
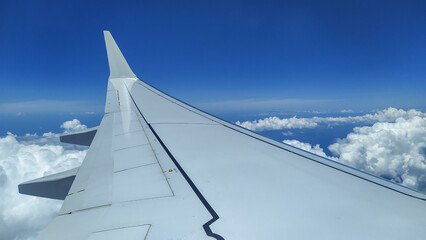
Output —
<point x="118" y="66"/>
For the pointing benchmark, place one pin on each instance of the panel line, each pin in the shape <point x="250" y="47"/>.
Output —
<point x="203" y="200"/>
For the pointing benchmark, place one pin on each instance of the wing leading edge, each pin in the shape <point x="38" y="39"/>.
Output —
<point x="159" y="168"/>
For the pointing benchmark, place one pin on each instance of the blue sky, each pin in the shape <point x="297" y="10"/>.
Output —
<point x="235" y="59"/>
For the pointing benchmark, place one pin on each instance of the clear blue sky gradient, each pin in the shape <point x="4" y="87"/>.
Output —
<point x="362" y="54"/>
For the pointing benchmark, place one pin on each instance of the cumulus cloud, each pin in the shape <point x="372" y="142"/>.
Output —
<point x="395" y="151"/>
<point x="307" y="147"/>
<point x="275" y="123"/>
<point x="25" y="158"/>
<point x="73" y="126"/>
<point x="392" y="150"/>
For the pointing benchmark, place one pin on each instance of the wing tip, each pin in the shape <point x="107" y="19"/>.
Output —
<point x="119" y="68"/>
<point x="107" y="33"/>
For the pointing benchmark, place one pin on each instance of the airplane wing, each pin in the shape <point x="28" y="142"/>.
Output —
<point x="158" y="168"/>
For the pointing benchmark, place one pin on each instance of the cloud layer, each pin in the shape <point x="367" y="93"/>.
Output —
<point x="394" y="147"/>
<point x="26" y="158"/>
<point x="393" y="150"/>
<point x="262" y="104"/>
<point x="49" y="106"/>
<point x="275" y="123"/>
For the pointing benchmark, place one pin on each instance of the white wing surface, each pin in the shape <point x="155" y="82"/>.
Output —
<point x="158" y="168"/>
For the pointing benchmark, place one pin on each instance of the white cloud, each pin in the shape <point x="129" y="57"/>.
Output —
<point x="73" y="126"/>
<point x="45" y="139"/>
<point x="393" y="150"/>
<point x="50" y="135"/>
<point x="288" y="133"/>
<point x="347" y="111"/>
<point x="386" y="115"/>
<point x="307" y="147"/>
<point x="25" y="158"/>
<point x="275" y="123"/>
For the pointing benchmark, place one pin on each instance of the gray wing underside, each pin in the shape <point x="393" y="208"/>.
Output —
<point x="158" y="168"/>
